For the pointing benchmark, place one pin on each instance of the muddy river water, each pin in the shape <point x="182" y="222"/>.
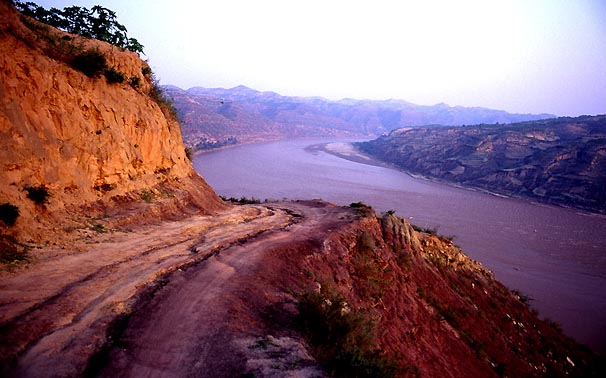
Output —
<point x="554" y="255"/>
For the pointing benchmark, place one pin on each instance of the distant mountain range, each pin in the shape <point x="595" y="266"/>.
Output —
<point x="213" y="117"/>
<point x="108" y="238"/>
<point x="560" y="161"/>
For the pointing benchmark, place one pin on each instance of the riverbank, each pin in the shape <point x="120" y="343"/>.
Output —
<point x="348" y="151"/>
<point x="551" y="254"/>
<point x="223" y="296"/>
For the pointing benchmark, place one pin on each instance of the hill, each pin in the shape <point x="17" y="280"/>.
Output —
<point x="559" y="161"/>
<point x="71" y="139"/>
<point x="121" y="261"/>
<point x="216" y="116"/>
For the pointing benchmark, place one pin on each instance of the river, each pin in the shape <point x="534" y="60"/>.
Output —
<point x="554" y="255"/>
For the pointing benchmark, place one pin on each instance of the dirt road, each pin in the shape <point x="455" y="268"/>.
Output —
<point x="55" y="314"/>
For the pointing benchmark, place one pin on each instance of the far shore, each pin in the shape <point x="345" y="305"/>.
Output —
<point x="348" y="151"/>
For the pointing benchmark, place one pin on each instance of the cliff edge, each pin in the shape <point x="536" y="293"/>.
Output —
<point x="139" y="269"/>
<point x="74" y="143"/>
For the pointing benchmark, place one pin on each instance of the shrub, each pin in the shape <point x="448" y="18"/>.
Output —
<point x="90" y="62"/>
<point x="146" y="70"/>
<point x="166" y="104"/>
<point x="12" y="252"/>
<point x="242" y="200"/>
<point x="39" y="194"/>
<point x="361" y="208"/>
<point x="114" y="76"/>
<point x="11" y="255"/>
<point x="342" y="339"/>
<point x="157" y="94"/>
<point x="9" y="214"/>
<point x="427" y="230"/>
<point x="99" y="228"/>
<point x="134" y="81"/>
<point x="189" y="152"/>
<point x="329" y="326"/>
<point x="148" y="196"/>
<point x="434" y="232"/>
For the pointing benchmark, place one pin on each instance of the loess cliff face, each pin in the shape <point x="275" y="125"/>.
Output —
<point x="83" y="139"/>
<point x="248" y="286"/>
<point x="437" y="313"/>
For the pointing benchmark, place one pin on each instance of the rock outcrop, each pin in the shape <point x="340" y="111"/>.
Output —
<point x="301" y="288"/>
<point x="437" y="313"/>
<point x="82" y="140"/>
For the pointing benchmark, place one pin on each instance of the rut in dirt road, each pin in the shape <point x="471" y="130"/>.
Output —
<point x="54" y="315"/>
<point x="194" y="325"/>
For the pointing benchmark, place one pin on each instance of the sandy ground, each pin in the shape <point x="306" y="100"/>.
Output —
<point x="54" y="314"/>
<point x="347" y="151"/>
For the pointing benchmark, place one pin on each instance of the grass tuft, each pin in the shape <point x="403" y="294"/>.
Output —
<point x="342" y="338"/>
<point x="39" y="194"/>
<point x="12" y="253"/>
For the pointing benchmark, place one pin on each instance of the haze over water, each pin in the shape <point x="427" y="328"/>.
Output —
<point x="556" y="256"/>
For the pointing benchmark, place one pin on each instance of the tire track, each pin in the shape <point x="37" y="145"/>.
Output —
<point x="72" y="320"/>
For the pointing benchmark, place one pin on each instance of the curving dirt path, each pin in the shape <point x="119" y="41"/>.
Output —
<point x="55" y="314"/>
<point x="198" y="323"/>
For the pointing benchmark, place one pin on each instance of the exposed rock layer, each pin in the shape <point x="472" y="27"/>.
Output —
<point x="82" y="138"/>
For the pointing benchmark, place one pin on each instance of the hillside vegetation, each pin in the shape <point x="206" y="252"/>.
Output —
<point x="98" y="23"/>
<point x="118" y="260"/>
<point x="559" y="161"/>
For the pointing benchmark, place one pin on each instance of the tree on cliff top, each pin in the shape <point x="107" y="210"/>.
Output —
<point x="98" y="23"/>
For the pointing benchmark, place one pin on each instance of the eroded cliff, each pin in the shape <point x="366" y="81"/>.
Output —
<point x="266" y="290"/>
<point x="436" y="312"/>
<point x="83" y="140"/>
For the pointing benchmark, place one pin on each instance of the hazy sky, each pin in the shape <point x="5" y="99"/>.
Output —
<point x="527" y="56"/>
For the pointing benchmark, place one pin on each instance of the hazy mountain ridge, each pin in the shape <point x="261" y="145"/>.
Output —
<point x="559" y="161"/>
<point x="138" y="268"/>
<point x="250" y="115"/>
